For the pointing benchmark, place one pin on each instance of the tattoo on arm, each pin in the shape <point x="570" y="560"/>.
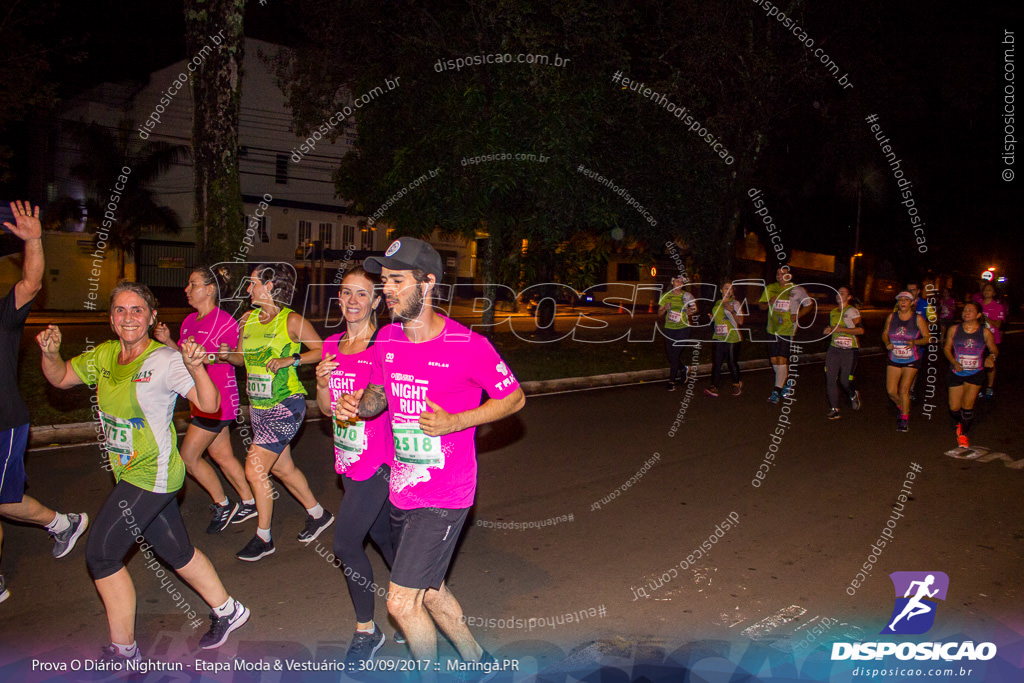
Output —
<point x="374" y="401"/>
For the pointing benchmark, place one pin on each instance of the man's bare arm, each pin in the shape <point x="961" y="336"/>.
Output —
<point x="29" y="229"/>
<point x="374" y="401"/>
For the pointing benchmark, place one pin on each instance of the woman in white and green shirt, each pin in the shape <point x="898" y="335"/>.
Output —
<point x="138" y="381"/>
<point x="841" y="357"/>
<point x="677" y="305"/>
<point x="726" y="317"/>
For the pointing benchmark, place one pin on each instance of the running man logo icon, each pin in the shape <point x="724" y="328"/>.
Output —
<point x="916" y="595"/>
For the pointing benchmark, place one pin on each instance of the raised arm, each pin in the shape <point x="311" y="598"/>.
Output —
<point x="57" y="371"/>
<point x="29" y="229"/>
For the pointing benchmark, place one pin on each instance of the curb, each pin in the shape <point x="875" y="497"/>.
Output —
<point x="84" y="433"/>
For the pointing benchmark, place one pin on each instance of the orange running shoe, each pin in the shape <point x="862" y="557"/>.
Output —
<point x="961" y="439"/>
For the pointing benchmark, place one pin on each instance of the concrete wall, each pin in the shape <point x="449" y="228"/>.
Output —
<point x="74" y="278"/>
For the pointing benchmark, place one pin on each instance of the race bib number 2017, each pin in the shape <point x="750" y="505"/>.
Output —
<point x="260" y="386"/>
<point x="413" y="447"/>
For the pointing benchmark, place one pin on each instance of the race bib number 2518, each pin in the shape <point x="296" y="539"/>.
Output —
<point x="414" y="447"/>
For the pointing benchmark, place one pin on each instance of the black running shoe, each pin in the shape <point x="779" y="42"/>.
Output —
<point x="4" y="593"/>
<point x="315" y="525"/>
<point x="221" y="517"/>
<point x="111" y="655"/>
<point x="246" y="511"/>
<point x="256" y="549"/>
<point x="223" y="626"/>
<point x="364" y="646"/>
<point x="64" y="542"/>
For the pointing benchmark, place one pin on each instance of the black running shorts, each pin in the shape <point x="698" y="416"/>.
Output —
<point x="955" y="380"/>
<point x="424" y="540"/>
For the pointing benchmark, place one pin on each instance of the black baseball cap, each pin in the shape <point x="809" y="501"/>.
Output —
<point x="407" y="253"/>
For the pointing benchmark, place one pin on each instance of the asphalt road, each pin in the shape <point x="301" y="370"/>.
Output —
<point x="541" y="544"/>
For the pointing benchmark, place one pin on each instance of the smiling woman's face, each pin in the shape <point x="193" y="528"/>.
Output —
<point x="131" y="317"/>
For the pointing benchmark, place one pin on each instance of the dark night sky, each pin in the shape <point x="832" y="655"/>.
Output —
<point x="933" y="73"/>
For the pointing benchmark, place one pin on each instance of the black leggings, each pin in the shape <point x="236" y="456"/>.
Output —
<point x="133" y="515"/>
<point x="840" y="365"/>
<point x="364" y="510"/>
<point x="674" y="347"/>
<point x="725" y="352"/>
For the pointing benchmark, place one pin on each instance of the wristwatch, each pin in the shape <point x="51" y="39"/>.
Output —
<point x="297" y="360"/>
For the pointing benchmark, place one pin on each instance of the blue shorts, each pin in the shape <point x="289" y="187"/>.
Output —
<point x="274" y="428"/>
<point x="12" y="464"/>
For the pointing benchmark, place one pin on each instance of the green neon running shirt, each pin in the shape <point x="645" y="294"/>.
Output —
<point x="260" y="343"/>
<point x="843" y="340"/>
<point x="136" y="408"/>
<point x="725" y="329"/>
<point x="784" y="301"/>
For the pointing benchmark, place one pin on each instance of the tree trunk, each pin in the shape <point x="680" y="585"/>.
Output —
<point x="736" y="198"/>
<point x="215" y="45"/>
<point x="490" y="277"/>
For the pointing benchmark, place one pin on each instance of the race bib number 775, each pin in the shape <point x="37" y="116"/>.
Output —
<point x="118" y="440"/>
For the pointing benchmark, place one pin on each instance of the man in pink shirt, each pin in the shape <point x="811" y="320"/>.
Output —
<point x="430" y="373"/>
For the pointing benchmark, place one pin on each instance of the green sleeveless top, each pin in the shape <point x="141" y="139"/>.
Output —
<point x="261" y="342"/>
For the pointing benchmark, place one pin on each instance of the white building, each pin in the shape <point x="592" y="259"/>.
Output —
<point x="298" y="189"/>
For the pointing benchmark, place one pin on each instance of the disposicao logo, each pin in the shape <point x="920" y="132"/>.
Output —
<point x="914" y="612"/>
<point x="917" y="594"/>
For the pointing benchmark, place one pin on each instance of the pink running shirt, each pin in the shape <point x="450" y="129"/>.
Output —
<point x="994" y="310"/>
<point x="217" y="327"/>
<point x="452" y="370"/>
<point x="360" y="449"/>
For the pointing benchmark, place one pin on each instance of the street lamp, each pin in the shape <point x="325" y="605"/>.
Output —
<point x="852" y="260"/>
